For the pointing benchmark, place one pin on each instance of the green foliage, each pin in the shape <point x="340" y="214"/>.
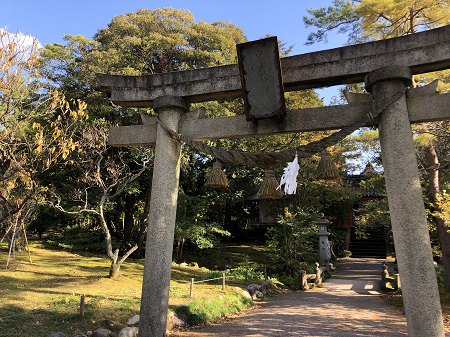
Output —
<point x="204" y="235"/>
<point x="191" y="224"/>
<point x="340" y="15"/>
<point x="290" y="281"/>
<point x="48" y="220"/>
<point x="376" y="19"/>
<point x="246" y="271"/>
<point x="346" y="253"/>
<point x="228" y="256"/>
<point x="333" y="199"/>
<point x="369" y="20"/>
<point x="137" y="43"/>
<point x="207" y="310"/>
<point x="443" y="204"/>
<point x="374" y="210"/>
<point x="371" y="212"/>
<point x="165" y="40"/>
<point x="390" y="18"/>
<point x="78" y="239"/>
<point x="294" y="241"/>
<point x="362" y="148"/>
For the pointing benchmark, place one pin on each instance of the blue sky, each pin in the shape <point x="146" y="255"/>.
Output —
<point x="50" y="20"/>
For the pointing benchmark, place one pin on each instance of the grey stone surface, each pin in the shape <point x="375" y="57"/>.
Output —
<point x="58" y="334"/>
<point x="173" y="321"/>
<point x="258" y="295"/>
<point x="311" y="119"/>
<point x="406" y="205"/>
<point x="253" y="287"/>
<point x="129" y="332"/>
<point x="101" y="332"/>
<point x="246" y="294"/>
<point x="423" y="52"/>
<point x="161" y="226"/>
<point x="133" y="321"/>
<point x="266" y="287"/>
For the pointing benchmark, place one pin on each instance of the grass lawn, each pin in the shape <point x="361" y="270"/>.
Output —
<point x="42" y="298"/>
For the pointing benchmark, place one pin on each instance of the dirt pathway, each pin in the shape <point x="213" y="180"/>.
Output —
<point x="347" y="305"/>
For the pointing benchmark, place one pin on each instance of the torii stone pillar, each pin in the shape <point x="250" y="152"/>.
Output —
<point x="161" y="221"/>
<point x="406" y="205"/>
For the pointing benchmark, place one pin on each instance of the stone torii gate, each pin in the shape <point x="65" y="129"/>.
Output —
<point x="170" y="94"/>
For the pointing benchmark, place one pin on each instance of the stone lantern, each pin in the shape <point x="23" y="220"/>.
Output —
<point x="324" y="243"/>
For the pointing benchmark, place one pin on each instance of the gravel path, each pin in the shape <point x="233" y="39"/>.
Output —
<point x="347" y="305"/>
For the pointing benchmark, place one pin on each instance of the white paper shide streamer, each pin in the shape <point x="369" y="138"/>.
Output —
<point x="289" y="177"/>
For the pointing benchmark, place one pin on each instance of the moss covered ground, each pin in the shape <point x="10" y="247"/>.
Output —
<point x="44" y="297"/>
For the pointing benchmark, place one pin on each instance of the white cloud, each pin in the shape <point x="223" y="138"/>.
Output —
<point x="23" y="39"/>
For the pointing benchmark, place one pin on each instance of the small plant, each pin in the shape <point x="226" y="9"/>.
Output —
<point x="290" y="281"/>
<point x="346" y="253"/>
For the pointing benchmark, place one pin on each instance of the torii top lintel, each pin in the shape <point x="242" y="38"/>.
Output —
<point x="422" y="52"/>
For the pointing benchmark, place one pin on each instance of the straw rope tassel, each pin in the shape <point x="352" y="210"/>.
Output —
<point x="326" y="169"/>
<point x="216" y="178"/>
<point x="289" y="177"/>
<point x="269" y="187"/>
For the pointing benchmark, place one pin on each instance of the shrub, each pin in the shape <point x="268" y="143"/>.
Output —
<point x="289" y="281"/>
<point x="246" y="273"/>
<point x="206" y="310"/>
<point x="294" y="242"/>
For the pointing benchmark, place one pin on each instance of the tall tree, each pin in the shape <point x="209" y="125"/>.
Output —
<point x="366" y="20"/>
<point x="164" y="40"/>
<point x="37" y="125"/>
<point x="143" y="42"/>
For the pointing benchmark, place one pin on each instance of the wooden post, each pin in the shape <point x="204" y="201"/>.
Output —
<point x="161" y="223"/>
<point x="406" y="205"/>
<point x="82" y="306"/>
<point x="223" y="281"/>
<point x="398" y="282"/>
<point x="191" y="288"/>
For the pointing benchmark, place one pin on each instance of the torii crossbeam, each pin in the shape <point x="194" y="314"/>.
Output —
<point x="170" y="94"/>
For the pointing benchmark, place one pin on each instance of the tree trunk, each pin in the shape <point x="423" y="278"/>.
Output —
<point x="113" y="256"/>
<point x="128" y="222"/>
<point x="182" y="246"/>
<point x="178" y="249"/>
<point x="442" y="228"/>
<point x="143" y="222"/>
<point x="117" y="263"/>
<point x="114" y="270"/>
